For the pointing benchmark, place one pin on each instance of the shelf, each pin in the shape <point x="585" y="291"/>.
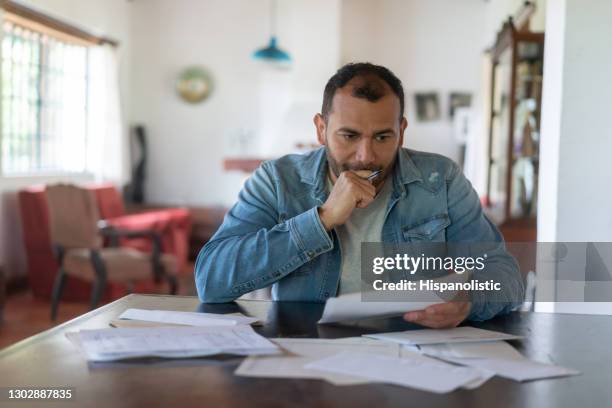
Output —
<point x="244" y="164"/>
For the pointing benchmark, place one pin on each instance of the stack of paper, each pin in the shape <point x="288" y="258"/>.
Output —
<point x="172" y="342"/>
<point x="168" y="317"/>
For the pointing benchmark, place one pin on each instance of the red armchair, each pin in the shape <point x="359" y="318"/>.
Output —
<point x="173" y="225"/>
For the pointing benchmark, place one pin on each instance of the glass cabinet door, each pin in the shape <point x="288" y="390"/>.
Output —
<point x="500" y="127"/>
<point x="526" y="129"/>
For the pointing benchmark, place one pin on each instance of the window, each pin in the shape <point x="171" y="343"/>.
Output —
<point x="44" y="102"/>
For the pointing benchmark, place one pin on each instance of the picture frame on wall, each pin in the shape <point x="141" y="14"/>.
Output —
<point x="427" y="106"/>
<point x="458" y="100"/>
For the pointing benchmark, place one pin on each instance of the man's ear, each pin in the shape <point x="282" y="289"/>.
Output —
<point x="320" y="125"/>
<point x="403" y="126"/>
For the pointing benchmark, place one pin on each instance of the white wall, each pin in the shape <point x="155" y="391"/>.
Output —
<point x="575" y="201"/>
<point x="430" y="45"/>
<point x="498" y="11"/>
<point x="109" y="18"/>
<point x="188" y="142"/>
<point x="576" y="126"/>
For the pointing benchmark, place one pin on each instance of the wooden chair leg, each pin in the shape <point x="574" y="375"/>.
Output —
<point x="173" y="284"/>
<point x="97" y="291"/>
<point x="99" y="285"/>
<point x="58" y="289"/>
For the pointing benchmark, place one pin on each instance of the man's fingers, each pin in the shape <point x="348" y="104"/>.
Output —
<point x="442" y="309"/>
<point x="363" y="196"/>
<point x="435" y="322"/>
<point x="422" y="316"/>
<point x="364" y="201"/>
<point x="444" y="315"/>
<point x="359" y="180"/>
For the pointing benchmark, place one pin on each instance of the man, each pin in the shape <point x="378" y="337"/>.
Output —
<point x="300" y="220"/>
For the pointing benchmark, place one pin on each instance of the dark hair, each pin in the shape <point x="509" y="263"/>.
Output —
<point x="370" y="88"/>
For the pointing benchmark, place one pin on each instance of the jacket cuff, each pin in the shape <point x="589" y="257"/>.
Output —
<point x="478" y="300"/>
<point x="308" y="233"/>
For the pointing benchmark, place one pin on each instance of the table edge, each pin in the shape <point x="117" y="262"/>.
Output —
<point x="45" y="333"/>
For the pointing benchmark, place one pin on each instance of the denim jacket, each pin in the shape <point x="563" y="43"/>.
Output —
<point x="273" y="234"/>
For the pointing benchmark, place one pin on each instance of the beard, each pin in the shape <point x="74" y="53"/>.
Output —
<point x="338" y="168"/>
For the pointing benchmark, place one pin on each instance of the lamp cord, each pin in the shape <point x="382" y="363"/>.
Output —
<point x="273" y="18"/>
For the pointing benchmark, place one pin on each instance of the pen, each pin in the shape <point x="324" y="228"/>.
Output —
<point x="374" y="175"/>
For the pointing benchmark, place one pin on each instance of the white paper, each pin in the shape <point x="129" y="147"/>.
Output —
<point x="173" y="342"/>
<point x="485" y="375"/>
<point x="186" y="318"/>
<point x="351" y="307"/>
<point x="433" y="376"/>
<point x="436" y="336"/>
<point x="489" y="349"/>
<point x="497" y="358"/>
<point x="300" y="352"/>
<point x="518" y="370"/>
<point x="304" y="351"/>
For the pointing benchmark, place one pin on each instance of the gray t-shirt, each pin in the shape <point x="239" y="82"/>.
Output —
<point x="364" y="225"/>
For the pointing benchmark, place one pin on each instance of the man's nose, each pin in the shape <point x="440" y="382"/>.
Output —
<point x="365" y="153"/>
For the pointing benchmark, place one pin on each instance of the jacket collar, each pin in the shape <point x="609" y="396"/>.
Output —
<point x="314" y="170"/>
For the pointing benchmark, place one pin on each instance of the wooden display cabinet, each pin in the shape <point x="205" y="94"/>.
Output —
<point x="514" y="130"/>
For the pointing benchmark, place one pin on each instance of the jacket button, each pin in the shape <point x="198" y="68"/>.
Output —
<point x="326" y="294"/>
<point x="310" y="254"/>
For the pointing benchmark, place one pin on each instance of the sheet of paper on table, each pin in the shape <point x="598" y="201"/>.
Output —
<point x="186" y="318"/>
<point x="301" y="352"/>
<point x="135" y="324"/>
<point x="352" y="307"/>
<point x="173" y="342"/>
<point x="518" y="370"/>
<point x="488" y="349"/>
<point x="497" y="357"/>
<point x="464" y="334"/>
<point x="429" y="375"/>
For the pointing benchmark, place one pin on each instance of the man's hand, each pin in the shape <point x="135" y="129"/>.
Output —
<point x="350" y="191"/>
<point x="441" y="316"/>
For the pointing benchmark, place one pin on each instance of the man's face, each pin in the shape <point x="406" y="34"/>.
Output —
<point x="361" y="135"/>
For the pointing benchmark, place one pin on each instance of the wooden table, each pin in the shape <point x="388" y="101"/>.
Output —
<point x="50" y="360"/>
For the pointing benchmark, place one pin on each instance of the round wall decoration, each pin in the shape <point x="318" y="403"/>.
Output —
<point x="194" y="84"/>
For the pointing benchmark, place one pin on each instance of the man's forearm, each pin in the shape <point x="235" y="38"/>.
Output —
<point x="504" y="270"/>
<point x="231" y="265"/>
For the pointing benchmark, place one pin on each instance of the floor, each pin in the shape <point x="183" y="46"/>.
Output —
<point x="25" y="315"/>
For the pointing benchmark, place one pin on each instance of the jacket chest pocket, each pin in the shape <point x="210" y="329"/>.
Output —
<point x="432" y="229"/>
<point x="304" y="270"/>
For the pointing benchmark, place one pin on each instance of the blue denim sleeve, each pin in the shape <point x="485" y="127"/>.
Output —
<point x="253" y="248"/>
<point x="469" y="224"/>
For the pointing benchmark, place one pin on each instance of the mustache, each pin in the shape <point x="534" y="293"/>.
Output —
<point x="358" y="167"/>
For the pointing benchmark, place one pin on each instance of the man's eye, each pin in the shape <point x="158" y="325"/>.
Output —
<point x="382" y="138"/>
<point x="349" y="136"/>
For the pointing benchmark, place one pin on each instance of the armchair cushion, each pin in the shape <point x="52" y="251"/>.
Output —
<point x="122" y="264"/>
<point x="173" y="224"/>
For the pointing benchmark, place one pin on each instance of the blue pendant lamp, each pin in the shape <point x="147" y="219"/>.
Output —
<point x="272" y="53"/>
